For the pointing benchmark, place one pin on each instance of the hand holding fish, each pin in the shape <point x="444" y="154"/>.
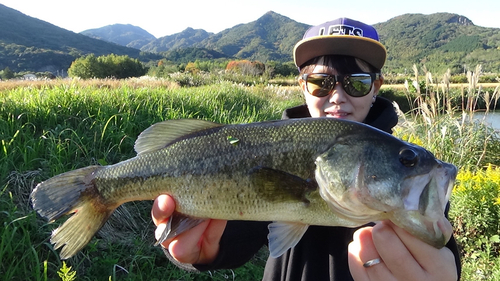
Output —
<point x="198" y="245"/>
<point x="403" y="256"/>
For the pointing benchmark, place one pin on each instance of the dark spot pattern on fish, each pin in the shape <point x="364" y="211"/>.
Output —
<point x="275" y="185"/>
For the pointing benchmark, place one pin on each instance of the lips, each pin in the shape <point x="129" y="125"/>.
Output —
<point x="337" y="113"/>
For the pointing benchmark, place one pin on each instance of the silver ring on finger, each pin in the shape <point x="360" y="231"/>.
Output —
<point x="371" y="263"/>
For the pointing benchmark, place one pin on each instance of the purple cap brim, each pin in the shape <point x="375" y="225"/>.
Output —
<point x="341" y="37"/>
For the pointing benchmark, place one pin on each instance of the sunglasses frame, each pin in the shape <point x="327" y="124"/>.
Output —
<point x="341" y="79"/>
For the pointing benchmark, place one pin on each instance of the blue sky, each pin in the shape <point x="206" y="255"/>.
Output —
<point x="166" y="17"/>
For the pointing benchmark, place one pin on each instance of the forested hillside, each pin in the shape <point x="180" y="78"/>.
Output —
<point x="271" y="37"/>
<point x="122" y="34"/>
<point x="28" y="43"/>
<point x="438" y="41"/>
<point x="185" y="39"/>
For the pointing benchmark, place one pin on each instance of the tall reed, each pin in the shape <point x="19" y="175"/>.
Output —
<point x="444" y="122"/>
<point x="452" y="133"/>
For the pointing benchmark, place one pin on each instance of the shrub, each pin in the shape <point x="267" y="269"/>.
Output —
<point x="105" y="67"/>
<point x="476" y="209"/>
<point x="191" y="68"/>
<point x="475" y="215"/>
<point x="245" y="67"/>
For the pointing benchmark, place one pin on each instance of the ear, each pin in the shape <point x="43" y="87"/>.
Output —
<point x="378" y="83"/>
<point x="302" y="84"/>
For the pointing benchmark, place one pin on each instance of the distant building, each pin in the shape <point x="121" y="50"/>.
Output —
<point x="29" y="76"/>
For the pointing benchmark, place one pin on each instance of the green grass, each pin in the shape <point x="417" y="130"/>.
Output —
<point x="47" y="129"/>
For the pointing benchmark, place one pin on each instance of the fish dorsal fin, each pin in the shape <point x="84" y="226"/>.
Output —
<point x="161" y="134"/>
<point x="283" y="236"/>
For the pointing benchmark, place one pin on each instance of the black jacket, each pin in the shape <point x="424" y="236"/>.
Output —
<point x="321" y="254"/>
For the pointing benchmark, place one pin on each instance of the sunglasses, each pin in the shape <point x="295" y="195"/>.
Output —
<point x="355" y="84"/>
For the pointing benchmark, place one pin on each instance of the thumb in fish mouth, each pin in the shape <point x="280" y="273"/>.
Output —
<point x="446" y="228"/>
<point x="435" y="232"/>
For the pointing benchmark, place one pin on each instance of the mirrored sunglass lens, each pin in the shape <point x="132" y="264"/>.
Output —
<point x="320" y="85"/>
<point x="358" y="85"/>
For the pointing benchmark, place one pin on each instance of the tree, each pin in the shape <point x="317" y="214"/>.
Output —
<point x="85" y="67"/>
<point x="191" y="68"/>
<point x="246" y="67"/>
<point x="112" y="65"/>
<point x="7" y="74"/>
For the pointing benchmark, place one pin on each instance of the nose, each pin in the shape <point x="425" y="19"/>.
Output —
<point x="338" y="94"/>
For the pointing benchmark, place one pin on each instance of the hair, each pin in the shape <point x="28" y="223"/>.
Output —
<point x="342" y="64"/>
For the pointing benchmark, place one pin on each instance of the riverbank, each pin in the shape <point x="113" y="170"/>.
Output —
<point x="455" y="86"/>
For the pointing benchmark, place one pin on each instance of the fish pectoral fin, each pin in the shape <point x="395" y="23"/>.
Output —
<point x="283" y="236"/>
<point x="276" y="185"/>
<point x="177" y="224"/>
<point x="162" y="134"/>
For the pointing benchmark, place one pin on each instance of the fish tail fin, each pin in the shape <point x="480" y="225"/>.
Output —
<point x="72" y="192"/>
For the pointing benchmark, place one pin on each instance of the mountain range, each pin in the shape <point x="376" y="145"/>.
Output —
<point x="440" y="41"/>
<point x="122" y="34"/>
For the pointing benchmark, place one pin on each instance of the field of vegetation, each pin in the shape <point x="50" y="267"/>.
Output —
<point x="49" y="127"/>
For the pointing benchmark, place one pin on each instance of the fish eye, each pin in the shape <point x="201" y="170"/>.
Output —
<point x="408" y="157"/>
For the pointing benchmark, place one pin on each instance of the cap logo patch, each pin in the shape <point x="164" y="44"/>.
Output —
<point x="341" y="29"/>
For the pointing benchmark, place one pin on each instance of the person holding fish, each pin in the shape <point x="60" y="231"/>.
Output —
<point x="329" y="190"/>
<point x="340" y="66"/>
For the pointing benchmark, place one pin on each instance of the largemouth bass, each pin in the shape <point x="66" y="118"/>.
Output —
<point x="297" y="172"/>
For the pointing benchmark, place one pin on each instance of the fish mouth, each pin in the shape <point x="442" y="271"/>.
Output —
<point x="425" y="203"/>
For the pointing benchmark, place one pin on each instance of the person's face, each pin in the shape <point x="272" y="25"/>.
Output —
<point x="338" y="104"/>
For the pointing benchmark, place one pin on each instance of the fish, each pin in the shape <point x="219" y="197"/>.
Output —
<point x="291" y="173"/>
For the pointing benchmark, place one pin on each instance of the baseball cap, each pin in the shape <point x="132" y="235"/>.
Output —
<point x="341" y="36"/>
